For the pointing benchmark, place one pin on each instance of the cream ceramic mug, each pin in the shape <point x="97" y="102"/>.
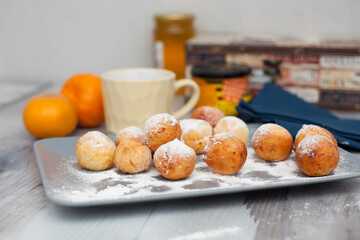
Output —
<point x="133" y="95"/>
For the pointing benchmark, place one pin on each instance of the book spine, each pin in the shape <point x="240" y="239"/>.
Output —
<point x="338" y="79"/>
<point x="310" y="95"/>
<point x="340" y="100"/>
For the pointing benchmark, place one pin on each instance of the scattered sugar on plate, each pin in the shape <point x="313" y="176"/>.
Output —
<point x="82" y="186"/>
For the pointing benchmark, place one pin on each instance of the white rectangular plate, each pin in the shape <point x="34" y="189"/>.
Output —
<point x="66" y="183"/>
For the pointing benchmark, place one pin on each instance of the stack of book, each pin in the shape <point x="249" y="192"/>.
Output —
<point x="325" y="72"/>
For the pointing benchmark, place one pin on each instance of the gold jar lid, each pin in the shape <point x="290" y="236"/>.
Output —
<point x="174" y="17"/>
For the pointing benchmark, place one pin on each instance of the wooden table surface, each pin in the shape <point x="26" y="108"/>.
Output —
<point x="319" y="211"/>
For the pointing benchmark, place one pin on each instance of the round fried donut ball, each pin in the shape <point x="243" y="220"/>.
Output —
<point x="308" y="130"/>
<point x="174" y="160"/>
<point x="131" y="132"/>
<point x="225" y="153"/>
<point x="195" y="133"/>
<point x="132" y="156"/>
<point x="272" y="142"/>
<point x="95" y="151"/>
<point x="210" y="114"/>
<point x="160" y="129"/>
<point x="234" y="126"/>
<point x="317" y="155"/>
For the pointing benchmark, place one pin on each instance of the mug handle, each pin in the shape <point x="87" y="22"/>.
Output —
<point x="192" y="101"/>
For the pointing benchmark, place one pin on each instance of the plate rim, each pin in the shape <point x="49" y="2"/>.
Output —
<point x="168" y="196"/>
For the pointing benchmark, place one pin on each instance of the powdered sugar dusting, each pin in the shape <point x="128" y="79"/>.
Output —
<point x="75" y="186"/>
<point x="305" y="128"/>
<point x="174" y="149"/>
<point x="310" y="143"/>
<point x="133" y="132"/>
<point x="221" y="136"/>
<point x="95" y="139"/>
<point x="264" y="130"/>
<point x="232" y="122"/>
<point x="217" y="139"/>
<point x="207" y="110"/>
<point x="198" y="125"/>
<point x="155" y="119"/>
<point x="310" y="129"/>
<point x="210" y="114"/>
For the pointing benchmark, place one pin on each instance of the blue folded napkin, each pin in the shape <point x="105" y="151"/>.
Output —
<point x="273" y="104"/>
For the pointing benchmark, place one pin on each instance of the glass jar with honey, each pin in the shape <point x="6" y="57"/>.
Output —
<point x="170" y="35"/>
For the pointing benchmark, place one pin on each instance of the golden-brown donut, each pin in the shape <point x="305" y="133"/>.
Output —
<point x="210" y="114"/>
<point x="272" y="142"/>
<point x="317" y="155"/>
<point x="308" y="130"/>
<point x="174" y="160"/>
<point x="132" y="156"/>
<point x="160" y="129"/>
<point x="131" y="132"/>
<point x="195" y="133"/>
<point x="95" y="151"/>
<point x="225" y="153"/>
<point x="234" y="126"/>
